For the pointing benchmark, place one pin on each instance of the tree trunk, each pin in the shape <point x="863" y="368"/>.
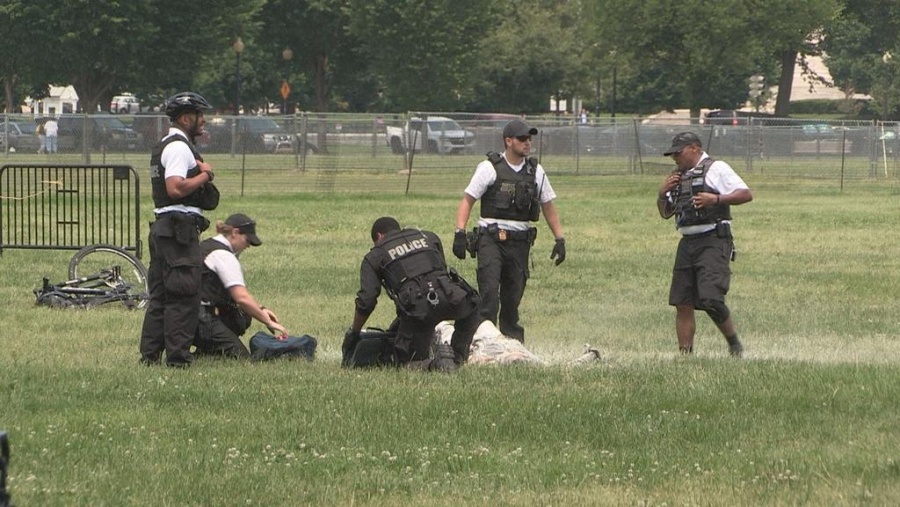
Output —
<point x="785" y="82"/>
<point x="321" y="64"/>
<point x="8" y="84"/>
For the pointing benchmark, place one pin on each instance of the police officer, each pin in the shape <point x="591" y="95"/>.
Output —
<point x="700" y="193"/>
<point x="226" y="306"/>
<point x="181" y="185"/>
<point x="410" y="264"/>
<point x="513" y="189"/>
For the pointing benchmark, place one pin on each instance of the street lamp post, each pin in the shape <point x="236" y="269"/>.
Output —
<point x="615" y="55"/>
<point x="757" y="85"/>
<point x="238" y="47"/>
<point x="286" y="55"/>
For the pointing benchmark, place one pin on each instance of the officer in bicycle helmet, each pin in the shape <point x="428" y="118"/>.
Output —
<point x="182" y="188"/>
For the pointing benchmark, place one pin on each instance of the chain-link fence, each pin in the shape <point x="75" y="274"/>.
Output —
<point x="433" y="151"/>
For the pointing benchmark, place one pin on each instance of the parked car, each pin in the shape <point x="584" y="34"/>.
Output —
<point x="103" y="132"/>
<point x="20" y="137"/>
<point x="251" y="134"/>
<point x="440" y="135"/>
<point x="125" y="104"/>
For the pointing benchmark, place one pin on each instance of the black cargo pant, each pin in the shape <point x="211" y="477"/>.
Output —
<point x="502" y="275"/>
<point x="216" y="339"/>
<point x="174" y="281"/>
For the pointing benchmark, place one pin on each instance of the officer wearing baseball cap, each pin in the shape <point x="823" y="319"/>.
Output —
<point x="513" y="189"/>
<point x="227" y="307"/>
<point x="699" y="193"/>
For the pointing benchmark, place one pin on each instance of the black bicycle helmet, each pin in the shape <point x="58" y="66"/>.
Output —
<point x="184" y="102"/>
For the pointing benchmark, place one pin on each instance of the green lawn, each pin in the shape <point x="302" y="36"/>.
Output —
<point x="809" y="417"/>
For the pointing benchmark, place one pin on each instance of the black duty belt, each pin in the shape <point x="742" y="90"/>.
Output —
<point x="199" y="220"/>
<point x="507" y="235"/>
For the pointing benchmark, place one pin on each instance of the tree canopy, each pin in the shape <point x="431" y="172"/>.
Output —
<point x="476" y="55"/>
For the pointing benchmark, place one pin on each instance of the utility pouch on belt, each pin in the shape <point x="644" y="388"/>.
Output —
<point x="723" y="230"/>
<point x="532" y="235"/>
<point x="185" y="228"/>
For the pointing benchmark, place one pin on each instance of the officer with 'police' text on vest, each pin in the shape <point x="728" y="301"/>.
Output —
<point x="513" y="189"/>
<point x="700" y="193"/>
<point x="410" y="265"/>
<point x="182" y="187"/>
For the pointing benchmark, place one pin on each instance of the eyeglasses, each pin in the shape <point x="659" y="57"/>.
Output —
<point x="523" y="139"/>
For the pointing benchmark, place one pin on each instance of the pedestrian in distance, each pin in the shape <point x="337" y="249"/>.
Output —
<point x="182" y="188"/>
<point x="410" y="265"/>
<point x="699" y="193"/>
<point x="51" y="131"/>
<point x="226" y="306"/>
<point x="41" y="135"/>
<point x="513" y="189"/>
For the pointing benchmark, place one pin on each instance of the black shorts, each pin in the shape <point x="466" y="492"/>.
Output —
<point x="702" y="270"/>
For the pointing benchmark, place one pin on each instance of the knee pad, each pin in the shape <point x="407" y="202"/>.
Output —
<point x="716" y="310"/>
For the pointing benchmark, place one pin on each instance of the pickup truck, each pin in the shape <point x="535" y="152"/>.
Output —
<point x="441" y="135"/>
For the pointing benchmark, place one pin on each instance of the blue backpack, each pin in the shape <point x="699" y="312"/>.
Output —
<point x="264" y="347"/>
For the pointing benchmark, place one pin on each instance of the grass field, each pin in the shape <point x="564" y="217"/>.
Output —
<point x="808" y="418"/>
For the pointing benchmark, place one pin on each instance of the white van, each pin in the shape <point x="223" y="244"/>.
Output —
<point x="125" y="104"/>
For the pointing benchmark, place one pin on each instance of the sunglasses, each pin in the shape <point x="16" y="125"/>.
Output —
<point x="523" y="139"/>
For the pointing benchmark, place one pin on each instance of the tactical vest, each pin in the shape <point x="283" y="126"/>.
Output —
<point x="514" y="195"/>
<point x="214" y="292"/>
<point x="158" y="178"/>
<point x="692" y="182"/>
<point x="412" y="266"/>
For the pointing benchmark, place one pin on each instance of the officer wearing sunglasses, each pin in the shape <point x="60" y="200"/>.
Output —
<point x="514" y="190"/>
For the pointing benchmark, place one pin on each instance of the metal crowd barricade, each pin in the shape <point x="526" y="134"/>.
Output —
<point x="69" y="206"/>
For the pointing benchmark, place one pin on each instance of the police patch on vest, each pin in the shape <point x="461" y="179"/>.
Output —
<point x="406" y="248"/>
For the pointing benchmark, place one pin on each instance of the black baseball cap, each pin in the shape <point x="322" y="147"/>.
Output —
<point x="518" y="128"/>
<point x="681" y="140"/>
<point x="246" y="225"/>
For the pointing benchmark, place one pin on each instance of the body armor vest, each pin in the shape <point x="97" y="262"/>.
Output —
<point x="693" y="181"/>
<point x="514" y="195"/>
<point x="410" y="258"/>
<point x="158" y="178"/>
<point x="212" y="291"/>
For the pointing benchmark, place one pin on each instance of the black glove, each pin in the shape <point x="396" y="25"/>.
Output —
<point x="351" y="338"/>
<point x="559" y="249"/>
<point x="459" y="244"/>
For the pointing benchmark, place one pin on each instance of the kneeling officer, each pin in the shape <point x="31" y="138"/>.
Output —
<point x="227" y="307"/>
<point x="410" y="264"/>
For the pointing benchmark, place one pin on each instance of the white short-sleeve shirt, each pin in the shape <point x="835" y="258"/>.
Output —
<point x="225" y="264"/>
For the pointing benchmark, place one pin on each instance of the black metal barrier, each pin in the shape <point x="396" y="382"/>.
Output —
<point x="69" y="206"/>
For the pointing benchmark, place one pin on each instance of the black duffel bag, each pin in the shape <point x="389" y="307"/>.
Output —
<point x="264" y="347"/>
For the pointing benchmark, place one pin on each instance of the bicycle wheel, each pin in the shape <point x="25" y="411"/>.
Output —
<point x="93" y="259"/>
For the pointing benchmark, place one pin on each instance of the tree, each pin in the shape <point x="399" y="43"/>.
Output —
<point x="789" y="29"/>
<point x="698" y="55"/>
<point x="422" y="52"/>
<point x="25" y="48"/>
<point x="861" y="45"/>
<point x="536" y="51"/>
<point x="314" y="31"/>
